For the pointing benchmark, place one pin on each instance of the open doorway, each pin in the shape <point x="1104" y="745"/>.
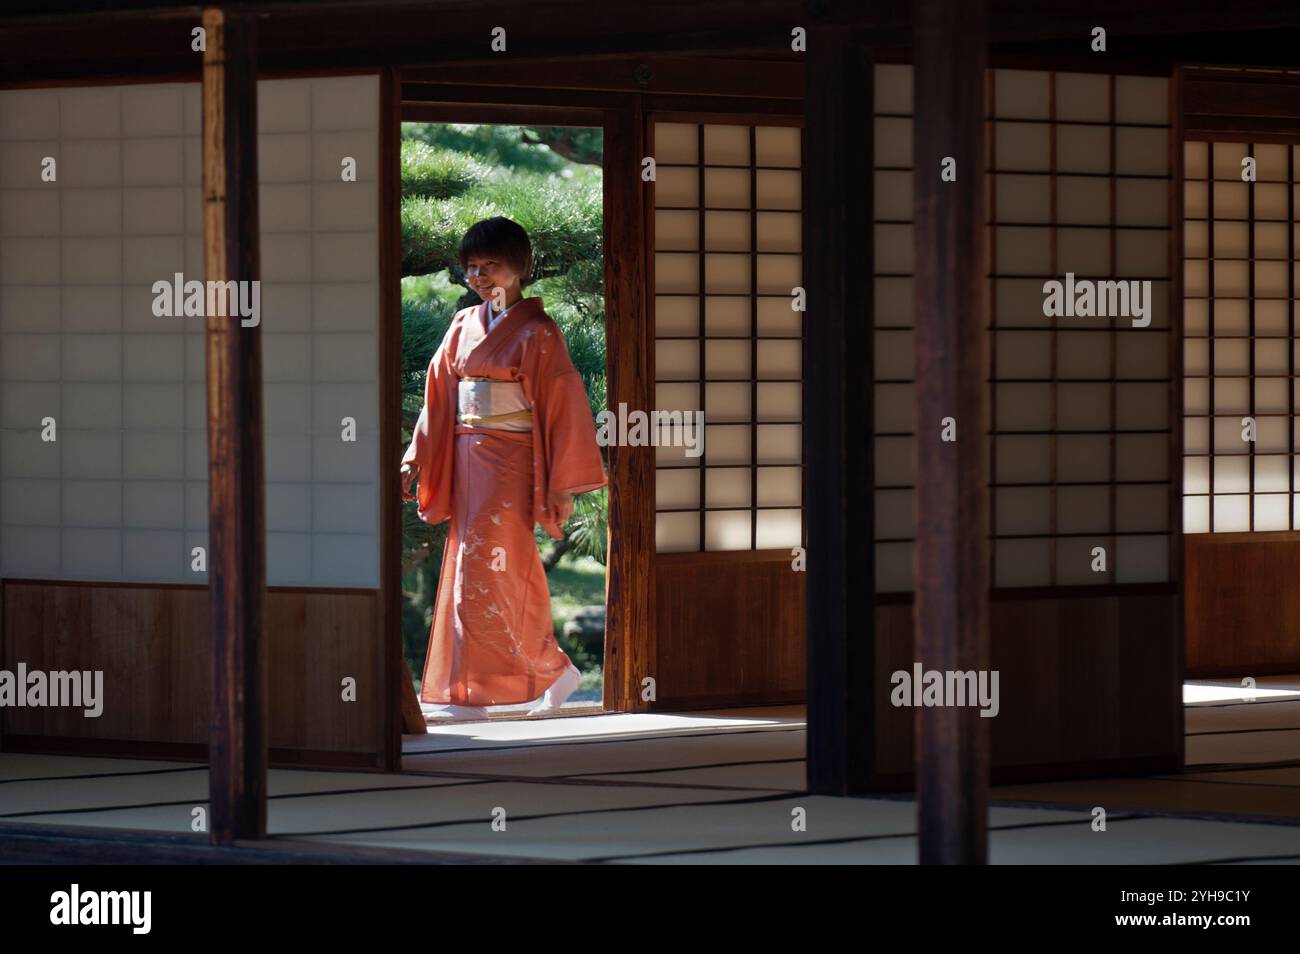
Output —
<point x="548" y="179"/>
<point x="1241" y="514"/>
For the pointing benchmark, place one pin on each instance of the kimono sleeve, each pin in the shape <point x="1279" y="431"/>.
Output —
<point x="432" y="441"/>
<point x="570" y="454"/>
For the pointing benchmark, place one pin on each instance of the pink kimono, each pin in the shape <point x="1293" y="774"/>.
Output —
<point x="492" y="641"/>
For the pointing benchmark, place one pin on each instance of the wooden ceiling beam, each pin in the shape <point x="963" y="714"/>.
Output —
<point x="652" y="74"/>
<point x="70" y="39"/>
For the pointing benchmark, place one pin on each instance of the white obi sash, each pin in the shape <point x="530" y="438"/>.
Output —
<point x="495" y="405"/>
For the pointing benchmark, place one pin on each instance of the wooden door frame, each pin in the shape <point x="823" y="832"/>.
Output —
<point x="1224" y="105"/>
<point x="615" y="94"/>
<point x="628" y="346"/>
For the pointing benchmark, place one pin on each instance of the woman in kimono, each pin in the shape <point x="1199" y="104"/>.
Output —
<point x="504" y="440"/>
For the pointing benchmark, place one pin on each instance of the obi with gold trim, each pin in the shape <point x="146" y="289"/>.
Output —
<point x="494" y="405"/>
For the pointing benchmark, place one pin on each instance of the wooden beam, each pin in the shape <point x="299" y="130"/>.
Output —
<point x="702" y="75"/>
<point x="838" y="509"/>
<point x="397" y="695"/>
<point x="629" y="349"/>
<point x="236" y="530"/>
<point x="35" y="843"/>
<point x="1242" y="96"/>
<point x="952" y="368"/>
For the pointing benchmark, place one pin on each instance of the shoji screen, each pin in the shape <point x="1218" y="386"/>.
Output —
<point x="1079" y="181"/>
<point x="727" y="258"/>
<point x="1239" y="338"/>
<point x="122" y="493"/>
<point x="1081" y="184"/>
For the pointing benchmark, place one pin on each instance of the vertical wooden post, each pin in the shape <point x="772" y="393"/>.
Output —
<point x="400" y="708"/>
<point x="236" y="531"/>
<point x="837" y="183"/>
<point x="629" y="583"/>
<point x="952" y="366"/>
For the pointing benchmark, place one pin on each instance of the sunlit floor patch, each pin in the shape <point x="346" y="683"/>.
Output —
<point x="1233" y="690"/>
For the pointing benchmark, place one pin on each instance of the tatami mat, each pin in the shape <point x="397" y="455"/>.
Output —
<point x="1269" y="746"/>
<point x="858" y="824"/>
<point x="703" y="787"/>
<point x="1170" y="794"/>
<point x="790" y="775"/>
<point x="611" y="755"/>
<point x="1137" y="841"/>
<point x="21" y="767"/>
<point x="138" y="784"/>
<point x="1246" y="716"/>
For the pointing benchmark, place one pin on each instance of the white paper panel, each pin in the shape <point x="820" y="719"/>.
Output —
<point x="676" y="230"/>
<point x="726" y="145"/>
<point x="779" y="529"/>
<point x="749" y="267"/>
<point x="128" y="387"/>
<point x="727" y="487"/>
<point x="779" y="486"/>
<point x="727" y="530"/>
<point x="677" y="532"/>
<point x="723" y="231"/>
<point x="676" y="187"/>
<point x="778" y="146"/>
<point x="727" y="401"/>
<point x="676" y="143"/>
<point x="727" y="316"/>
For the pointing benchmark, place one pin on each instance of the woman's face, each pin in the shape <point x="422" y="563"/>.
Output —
<point x="486" y="273"/>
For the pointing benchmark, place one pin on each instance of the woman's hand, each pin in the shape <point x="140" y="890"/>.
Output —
<point x="409" y="471"/>
<point x="560" y="504"/>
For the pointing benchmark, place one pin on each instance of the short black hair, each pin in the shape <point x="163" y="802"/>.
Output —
<point x="503" y="238"/>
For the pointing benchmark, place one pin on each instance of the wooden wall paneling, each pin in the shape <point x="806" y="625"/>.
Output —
<point x="338" y="644"/>
<point x="188" y="662"/>
<point x="301" y="657"/>
<point x="1088" y="651"/>
<point x="1150" y="685"/>
<point x="151" y="643"/>
<point x="1082" y="680"/>
<point x="894" y="731"/>
<point x="1242" y="604"/>
<point x="729" y="629"/>
<point x="1034" y="685"/>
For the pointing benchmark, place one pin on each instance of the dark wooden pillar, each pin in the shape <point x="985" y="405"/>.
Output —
<point x="236" y="530"/>
<point x="630" y="643"/>
<point x="837" y="179"/>
<point x="952" y="366"/>
<point x="400" y="710"/>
